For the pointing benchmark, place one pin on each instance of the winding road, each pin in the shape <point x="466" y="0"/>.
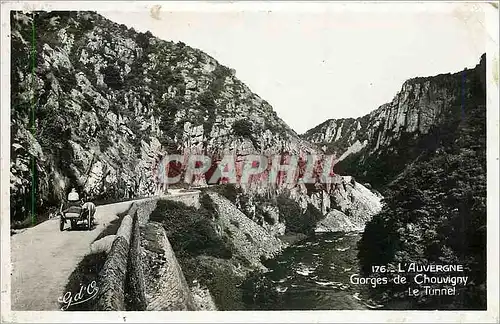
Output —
<point x="43" y="258"/>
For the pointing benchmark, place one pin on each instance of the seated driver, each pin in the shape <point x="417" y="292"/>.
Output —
<point x="73" y="195"/>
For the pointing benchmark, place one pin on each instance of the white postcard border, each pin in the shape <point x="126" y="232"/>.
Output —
<point x="491" y="315"/>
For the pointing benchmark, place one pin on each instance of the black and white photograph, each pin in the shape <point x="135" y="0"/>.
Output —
<point x="170" y="161"/>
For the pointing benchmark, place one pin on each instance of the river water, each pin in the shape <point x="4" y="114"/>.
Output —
<point x="313" y="275"/>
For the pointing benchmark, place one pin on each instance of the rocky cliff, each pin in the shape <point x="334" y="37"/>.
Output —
<point x="353" y="205"/>
<point x="94" y="103"/>
<point x="422" y="116"/>
<point x="435" y="211"/>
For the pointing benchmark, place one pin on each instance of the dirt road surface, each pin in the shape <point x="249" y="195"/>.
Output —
<point x="43" y="258"/>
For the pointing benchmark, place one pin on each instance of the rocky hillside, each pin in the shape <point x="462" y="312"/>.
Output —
<point x="94" y="103"/>
<point x="422" y="116"/>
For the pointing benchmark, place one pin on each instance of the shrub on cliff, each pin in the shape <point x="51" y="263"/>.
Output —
<point x="142" y="39"/>
<point x="191" y="231"/>
<point x="243" y="128"/>
<point x="209" y="109"/>
<point x="265" y="215"/>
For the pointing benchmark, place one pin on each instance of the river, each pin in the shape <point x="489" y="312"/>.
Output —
<point x="311" y="275"/>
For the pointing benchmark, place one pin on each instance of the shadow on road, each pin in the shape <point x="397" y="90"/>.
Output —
<point x="112" y="228"/>
<point x="88" y="269"/>
<point x="79" y="228"/>
<point x="86" y="272"/>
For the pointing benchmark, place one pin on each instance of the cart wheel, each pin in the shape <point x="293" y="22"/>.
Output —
<point x="89" y="221"/>
<point x="61" y="224"/>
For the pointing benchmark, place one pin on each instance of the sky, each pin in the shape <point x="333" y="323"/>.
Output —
<point x="332" y="62"/>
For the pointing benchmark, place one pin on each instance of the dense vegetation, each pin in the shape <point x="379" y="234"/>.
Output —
<point x="191" y="231"/>
<point x="295" y="219"/>
<point x="203" y="254"/>
<point x="435" y="211"/>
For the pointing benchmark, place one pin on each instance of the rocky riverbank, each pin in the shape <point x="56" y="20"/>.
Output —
<point x="233" y="235"/>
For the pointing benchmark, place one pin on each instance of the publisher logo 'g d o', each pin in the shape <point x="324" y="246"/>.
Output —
<point x="85" y="294"/>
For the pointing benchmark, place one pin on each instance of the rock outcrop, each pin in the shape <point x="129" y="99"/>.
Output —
<point x="352" y="206"/>
<point x="336" y="221"/>
<point x="356" y="201"/>
<point x="250" y="240"/>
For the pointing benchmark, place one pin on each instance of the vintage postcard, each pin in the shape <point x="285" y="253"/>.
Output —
<point x="249" y="161"/>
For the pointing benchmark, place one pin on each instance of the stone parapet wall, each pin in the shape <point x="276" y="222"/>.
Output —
<point x="126" y="281"/>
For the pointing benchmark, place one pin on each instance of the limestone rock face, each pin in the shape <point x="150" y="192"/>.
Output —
<point x="108" y="101"/>
<point x="357" y="201"/>
<point x="353" y="205"/>
<point x="395" y="134"/>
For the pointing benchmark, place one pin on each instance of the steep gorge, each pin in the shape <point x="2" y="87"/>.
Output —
<point x="100" y="103"/>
